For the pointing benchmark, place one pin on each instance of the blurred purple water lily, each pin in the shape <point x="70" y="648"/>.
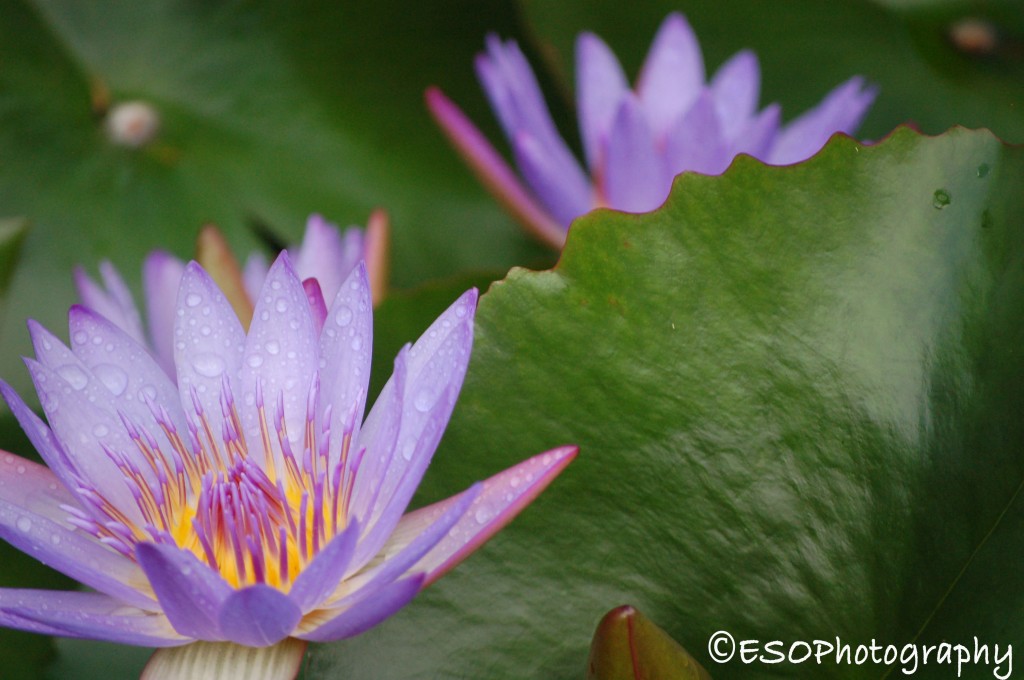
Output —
<point x="245" y="499"/>
<point x="634" y="140"/>
<point x="327" y="255"/>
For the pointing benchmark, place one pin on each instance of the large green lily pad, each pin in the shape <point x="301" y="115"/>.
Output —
<point x="797" y="393"/>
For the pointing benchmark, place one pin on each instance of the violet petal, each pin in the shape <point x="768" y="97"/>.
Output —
<point x="389" y="565"/>
<point x="190" y="593"/>
<point x="736" y="88"/>
<point x="503" y="496"/>
<point x="323" y="574"/>
<point x="696" y="142"/>
<point x="345" y="346"/>
<point x="161" y="277"/>
<point x="566" y="195"/>
<point x="366" y="614"/>
<point x="87" y="615"/>
<point x="757" y="139"/>
<point x="33" y="518"/>
<point x="672" y="75"/>
<point x="600" y="86"/>
<point x="840" y="111"/>
<point x="115" y="303"/>
<point x="258" y="616"/>
<point x="321" y="255"/>
<point x="281" y="353"/>
<point x="492" y="170"/>
<point x="634" y="177"/>
<point x="208" y="344"/>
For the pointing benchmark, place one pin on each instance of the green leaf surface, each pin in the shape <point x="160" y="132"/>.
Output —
<point x="797" y="396"/>
<point x="269" y="112"/>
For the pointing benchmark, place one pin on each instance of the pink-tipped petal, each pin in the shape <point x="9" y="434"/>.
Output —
<point x="34" y="519"/>
<point x="736" y="88"/>
<point x="364" y="615"/>
<point x="672" y="75"/>
<point x="635" y="178"/>
<point x="190" y="593"/>
<point x="208" y="343"/>
<point x="503" y="497"/>
<point x="86" y="615"/>
<point x="258" y="616"/>
<point x="41" y="437"/>
<point x="391" y="565"/>
<point x="161" y="277"/>
<point x="281" y="352"/>
<point x="841" y="110"/>
<point x="492" y="171"/>
<point x="346" y="345"/>
<point x="600" y="87"/>
<point x="696" y="142"/>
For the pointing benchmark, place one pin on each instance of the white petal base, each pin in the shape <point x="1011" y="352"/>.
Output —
<point x="225" y="661"/>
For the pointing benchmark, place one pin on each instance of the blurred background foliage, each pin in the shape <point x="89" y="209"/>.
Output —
<point x="271" y="111"/>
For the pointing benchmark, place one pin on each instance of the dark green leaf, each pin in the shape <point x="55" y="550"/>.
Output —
<point x="797" y="396"/>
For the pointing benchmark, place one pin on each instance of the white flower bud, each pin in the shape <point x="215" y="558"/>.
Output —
<point x="133" y="124"/>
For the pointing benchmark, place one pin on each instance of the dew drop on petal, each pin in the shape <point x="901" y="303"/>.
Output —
<point x="272" y="347"/>
<point x="264" y="315"/>
<point x="193" y="299"/>
<point x="24" y="524"/>
<point x="74" y="376"/>
<point x="55" y="539"/>
<point x="482" y="516"/>
<point x="357" y="343"/>
<point x="100" y="430"/>
<point x="281" y="305"/>
<point x="343" y="317"/>
<point x="80" y="337"/>
<point x="408" y="449"/>
<point x="422" y="401"/>
<point x="460" y="311"/>
<point x="21" y="469"/>
<point x="208" y="364"/>
<point x="113" y="378"/>
<point x="255" y="361"/>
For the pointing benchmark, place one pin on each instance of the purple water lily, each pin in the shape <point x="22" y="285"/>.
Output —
<point x="635" y="140"/>
<point x="326" y="255"/>
<point x="245" y="500"/>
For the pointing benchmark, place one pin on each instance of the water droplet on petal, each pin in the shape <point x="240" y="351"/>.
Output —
<point x="281" y="305"/>
<point x="74" y="376"/>
<point x="272" y="347"/>
<point x="113" y="378"/>
<point x="408" y="449"/>
<point x="193" y="299"/>
<point x="422" y="401"/>
<point x="80" y="337"/>
<point x="208" y="364"/>
<point x="55" y="539"/>
<point x="357" y="343"/>
<point x="460" y="311"/>
<point x="255" y="361"/>
<point x="343" y="316"/>
<point x="482" y="516"/>
<point x="21" y="469"/>
<point x="24" y="524"/>
<point x="100" y="431"/>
